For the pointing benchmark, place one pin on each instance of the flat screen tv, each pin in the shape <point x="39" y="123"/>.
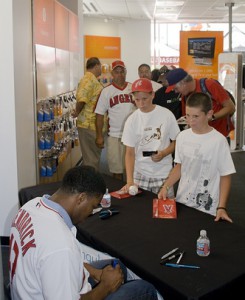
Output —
<point x="201" y="47"/>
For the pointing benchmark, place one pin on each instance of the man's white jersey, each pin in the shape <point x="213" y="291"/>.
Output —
<point x="46" y="259"/>
<point x="119" y="104"/>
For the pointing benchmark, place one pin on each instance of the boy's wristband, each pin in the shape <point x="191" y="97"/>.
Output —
<point x="221" y="207"/>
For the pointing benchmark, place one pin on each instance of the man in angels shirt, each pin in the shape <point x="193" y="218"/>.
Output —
<point x="115" y="100"/>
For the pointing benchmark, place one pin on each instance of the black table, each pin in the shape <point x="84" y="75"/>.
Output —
<point x="140" y="240"/>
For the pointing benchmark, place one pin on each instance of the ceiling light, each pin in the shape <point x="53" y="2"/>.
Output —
<point x="170" y="3"/>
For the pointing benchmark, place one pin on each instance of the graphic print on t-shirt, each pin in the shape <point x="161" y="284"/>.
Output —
<point x="195" y="175"/>
<point x="150" y="134"/>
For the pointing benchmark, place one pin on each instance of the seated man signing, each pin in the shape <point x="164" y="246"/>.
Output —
<point x="46" y="259"/>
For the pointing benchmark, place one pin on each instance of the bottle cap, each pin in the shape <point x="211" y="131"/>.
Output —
<point x="203" y="232"/>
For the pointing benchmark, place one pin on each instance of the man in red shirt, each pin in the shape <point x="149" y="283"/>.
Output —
<point x="182" y="82"/>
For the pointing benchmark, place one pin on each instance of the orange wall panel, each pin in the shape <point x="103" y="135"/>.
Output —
<point x="190" y="64"/>
<point x="102" y="46"/>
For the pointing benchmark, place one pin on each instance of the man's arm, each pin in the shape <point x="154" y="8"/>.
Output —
<point x="173" y="177"/>
<point x="221" y="96"/>
<point x="78" y="109"/>
<point x="224" y="190"/>
<point x="99" y="123"/>
<point x="228" y="108"/>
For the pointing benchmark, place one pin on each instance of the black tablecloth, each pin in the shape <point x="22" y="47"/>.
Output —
<point x="140" y="240"/>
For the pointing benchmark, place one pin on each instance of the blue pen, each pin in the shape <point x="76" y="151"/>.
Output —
<point x="114" y="263"/>
<point x="181" y="266"/>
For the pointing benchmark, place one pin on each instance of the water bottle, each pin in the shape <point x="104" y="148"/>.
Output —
<point x="203" y="244"/>
<point x="106" y="200"/>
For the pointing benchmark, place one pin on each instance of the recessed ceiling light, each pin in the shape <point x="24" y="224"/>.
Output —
<point x="170" y="3"/>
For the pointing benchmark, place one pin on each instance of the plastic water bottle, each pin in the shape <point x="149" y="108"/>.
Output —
<point x="203" y="244"/>
<point x="106" y="200"/>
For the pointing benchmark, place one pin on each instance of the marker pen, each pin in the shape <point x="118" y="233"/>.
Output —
<point x="181" y="266"/>
<point x="170" y="257"/>
<point x="169" y="253"/>
<point x="114" y="263"/>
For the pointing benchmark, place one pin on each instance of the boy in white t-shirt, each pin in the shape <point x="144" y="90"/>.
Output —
<point x="149" y="128"/>
<point x="203" y="162"/>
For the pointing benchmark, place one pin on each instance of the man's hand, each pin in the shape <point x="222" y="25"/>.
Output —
<point x="99" y="141"/>
<point x="112" y="278"/>
<point x="74" y="114"/>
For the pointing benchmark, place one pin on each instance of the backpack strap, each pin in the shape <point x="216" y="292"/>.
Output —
<point x="204" y="87"/>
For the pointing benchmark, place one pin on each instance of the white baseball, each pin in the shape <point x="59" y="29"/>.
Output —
<point x="133" y="190"/>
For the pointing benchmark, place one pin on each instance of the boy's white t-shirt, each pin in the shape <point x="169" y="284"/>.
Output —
<point x="203" y="158"/>
<point x="151" y="131"/>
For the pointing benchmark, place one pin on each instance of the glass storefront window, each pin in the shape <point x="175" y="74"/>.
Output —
<point x="165" y="40"/>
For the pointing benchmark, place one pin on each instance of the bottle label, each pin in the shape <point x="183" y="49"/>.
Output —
<point x="106" y="201"/>
<point x="203" y="249"/>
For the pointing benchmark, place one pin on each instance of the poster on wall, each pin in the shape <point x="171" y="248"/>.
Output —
<point x="199" y="52"/>
<point x="107" y="49"/>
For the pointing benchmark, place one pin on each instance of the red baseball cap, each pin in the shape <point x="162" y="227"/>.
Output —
<point x="142" y="85"/>
<point x="118" y="63"/>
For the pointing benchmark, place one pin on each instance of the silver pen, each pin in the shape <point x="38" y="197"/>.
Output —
<point x="169" y="253"/>
<point x="180" y="257"/>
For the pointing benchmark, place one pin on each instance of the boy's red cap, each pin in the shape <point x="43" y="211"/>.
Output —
<point x="142" y="85"/>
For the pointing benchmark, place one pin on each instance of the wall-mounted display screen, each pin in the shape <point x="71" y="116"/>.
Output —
<point x="201" y="47"/>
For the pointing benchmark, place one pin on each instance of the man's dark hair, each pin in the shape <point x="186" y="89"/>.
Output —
<point x="155" y="75"/>
<point x="92" y="62"/>
<point x="201" y="100"/>
<point x="83" y="179"/>
<point x="144" y="65"/>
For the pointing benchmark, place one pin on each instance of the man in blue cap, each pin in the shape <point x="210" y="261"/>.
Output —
<point x="182" y="82"/>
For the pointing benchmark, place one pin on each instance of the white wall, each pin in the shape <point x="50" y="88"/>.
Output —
<point x="135" y="40"/>
<point x="136" y="45"/>
<point x="8" y="159"/>
<point x="24" y="95"/>
<point x="18" y="113"/>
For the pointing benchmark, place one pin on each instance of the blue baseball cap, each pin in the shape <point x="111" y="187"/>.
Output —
<point x="173" y="77"/>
